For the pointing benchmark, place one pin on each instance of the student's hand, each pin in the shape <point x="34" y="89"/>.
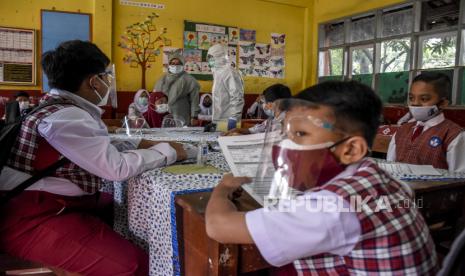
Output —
<point x="112" y="129"/>
<point x="145" y="144"/>
<point x="233" y="184"/>
<point x="237" y="131"/>
<point x="180" y="152"/>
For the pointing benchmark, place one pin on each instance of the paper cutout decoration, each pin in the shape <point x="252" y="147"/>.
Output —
<point x="232" y="52"/>
<point x="278" y="40"/>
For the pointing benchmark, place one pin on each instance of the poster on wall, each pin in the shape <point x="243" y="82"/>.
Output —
<point x="247" y="35"/>
<point x="246" y="57"/>
<point x="232" y="53"/>
<point x="233" y="36"/>
<point x="277" y="55"/>
<point x="192" y="61"/>
<point x="190" y="40"/>
<point x="204" y="40"/>
<point x="167" y="52"/>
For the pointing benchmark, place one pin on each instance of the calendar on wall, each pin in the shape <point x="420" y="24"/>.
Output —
<point x="17" y="56"/>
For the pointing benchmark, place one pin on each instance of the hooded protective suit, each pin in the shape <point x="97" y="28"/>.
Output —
<point x="228" y="86"/>
<point x="182" y="91"/>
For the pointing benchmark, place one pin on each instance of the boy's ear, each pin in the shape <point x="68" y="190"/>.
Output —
<point x="352" y="150"/>
<point x="444" y="103"/>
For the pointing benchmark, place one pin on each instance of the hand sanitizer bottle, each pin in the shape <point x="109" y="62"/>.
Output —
<point x="202" y="152"/>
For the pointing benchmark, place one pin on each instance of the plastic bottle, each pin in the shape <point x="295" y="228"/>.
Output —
<point x="202" y="152"/>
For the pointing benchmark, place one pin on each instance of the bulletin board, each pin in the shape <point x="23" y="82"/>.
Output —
<point x="60" y="26"/>
<point x="266" y="60"/>
<point x="17" y="56"/>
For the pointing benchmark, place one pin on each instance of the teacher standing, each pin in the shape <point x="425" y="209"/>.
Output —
<point x="181" y="89"/>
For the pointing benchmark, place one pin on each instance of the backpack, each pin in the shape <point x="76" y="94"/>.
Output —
<point x="9" y="131"/>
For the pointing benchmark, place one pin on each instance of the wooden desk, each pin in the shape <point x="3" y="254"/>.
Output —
<point x="200" y="255"/>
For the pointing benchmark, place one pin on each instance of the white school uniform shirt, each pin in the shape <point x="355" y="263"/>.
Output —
<point x="455" y="151"/>
<point x="80" y="135"/>
<point x="283" y="237"/>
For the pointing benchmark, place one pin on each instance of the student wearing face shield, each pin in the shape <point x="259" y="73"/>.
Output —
<point x="182" y="91"/>
<point x="270" y="96"/>
<point x="53" y="222"/>
<point x="228" y="86"/>
<point x="329" y="210"/>
<point x="430" y="139"/>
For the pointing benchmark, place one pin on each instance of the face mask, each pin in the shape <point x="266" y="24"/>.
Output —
<point x="423" y="113"/>
<point x="303" y="167"/>
<point x="268" y="112"/>
<point x="161" y="108"/>
<point x="104" y="100"/>
<point x="211" y="63"/>
<point x="175" y="69"/>
<point x="143" y="101"/>
<point x="23" y="105"/>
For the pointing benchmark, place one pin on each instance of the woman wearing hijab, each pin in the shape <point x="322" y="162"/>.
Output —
<point x="182" y="90"/>
<point x="157" y="110"/>
<point x="140" y="104"/>
<point x="205" y="107"/>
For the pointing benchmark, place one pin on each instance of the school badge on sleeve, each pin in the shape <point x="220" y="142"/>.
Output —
<point x="435" y="142"/>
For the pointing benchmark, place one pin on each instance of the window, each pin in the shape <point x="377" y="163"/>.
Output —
<point x="397" y="21"/>
<point x="362" y="60"/>
<point x="333" y="34"/>
<point x="363" y="28"/>
<point x="439" y="14"/>
<point x="385" y="48"/>
<point x="332" y="62"/>
<point x="438" y="51"/>
<point x="395" y="55"/>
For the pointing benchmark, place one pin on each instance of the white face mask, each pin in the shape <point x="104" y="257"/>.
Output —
<point x="423" y="113"/>
<point x="23" y="105"/>
<point x="175" y="69"/>
<point x="268" y="112"/>
<point x="289" y="144"/>
<point x="161" y="108"/>
<point x="104" y="100"/>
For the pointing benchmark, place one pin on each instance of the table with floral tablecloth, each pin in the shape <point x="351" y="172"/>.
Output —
<point x="145" y="209"/>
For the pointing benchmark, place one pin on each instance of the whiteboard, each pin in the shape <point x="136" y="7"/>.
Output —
<point x="59" y="26"/>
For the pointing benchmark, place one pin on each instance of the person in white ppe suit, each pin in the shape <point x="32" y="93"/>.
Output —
<point x="228" y="86"/>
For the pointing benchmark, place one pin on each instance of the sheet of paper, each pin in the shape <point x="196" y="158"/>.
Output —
<point x="245" y="156"/>
<point x="409" y="169"/>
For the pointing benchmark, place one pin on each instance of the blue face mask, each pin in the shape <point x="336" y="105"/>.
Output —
<point x="143" y="101"/>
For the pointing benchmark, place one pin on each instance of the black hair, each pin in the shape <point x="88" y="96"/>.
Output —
<point x="71" y="62"/>
<point x="276" y="92"/>
<point x="440" y="81"/>
<point x="356" y="107"/>
<point x="21" y="94"/>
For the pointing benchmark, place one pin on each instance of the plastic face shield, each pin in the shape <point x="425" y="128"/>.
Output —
<point x="109" y="78"/>
<point x="294" y="151"/>
<point x="133" y="126"/>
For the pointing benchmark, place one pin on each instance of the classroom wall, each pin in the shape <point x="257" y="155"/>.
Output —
<point x="26" y="14"/>
<point x="263" y="16"/>
<point x="110" y="19"/>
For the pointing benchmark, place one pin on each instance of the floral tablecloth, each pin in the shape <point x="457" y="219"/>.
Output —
<point x="145" y="211"/>
<point x="171" y="134"/>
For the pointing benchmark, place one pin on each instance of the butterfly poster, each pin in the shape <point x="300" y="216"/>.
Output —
<point x="167" y="52"/>
<point x="233" y="35"/>
<point x="247" y="35"/>
<point x="278" y="40"/>
<point x="246" y="48"/>
<point x="260" y="71"/>
<point x="190" y="40"/>
<point x="232" y="52"/>
<point x="262" y="50"/>
<point x="246" y="70"/>
<point x="204" y="40"/>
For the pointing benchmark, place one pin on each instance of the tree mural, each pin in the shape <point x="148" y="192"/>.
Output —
<point x="143" y="42"/>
